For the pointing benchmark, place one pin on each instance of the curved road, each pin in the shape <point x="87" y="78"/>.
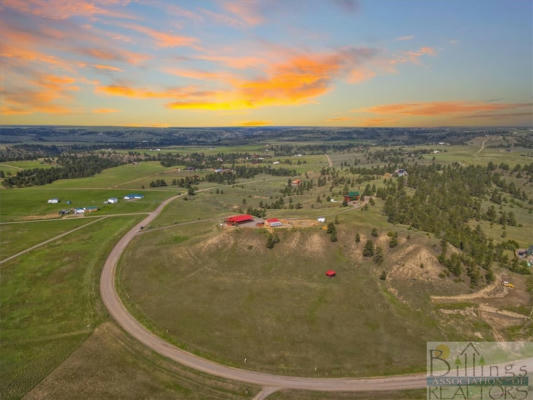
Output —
<point x="269" y="382"/>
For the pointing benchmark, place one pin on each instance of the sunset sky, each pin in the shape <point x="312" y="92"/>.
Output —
<point x="271" y="62"/>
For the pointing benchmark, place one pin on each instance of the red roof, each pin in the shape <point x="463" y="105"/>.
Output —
<point x="330" y="272"/>
<point x="240" y="218"/>
<point x="270" y="220"/>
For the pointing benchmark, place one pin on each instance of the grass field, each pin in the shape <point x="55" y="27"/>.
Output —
<point x="50" y="303"/>
<point x="112" y="365"/>
<point x="18" y="204"/>
<point x="120" y="176"/>
<point x="14" y="166"/>
<point x="17" y="237"/>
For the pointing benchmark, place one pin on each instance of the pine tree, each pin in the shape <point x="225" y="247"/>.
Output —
<point x="368" y="250"/>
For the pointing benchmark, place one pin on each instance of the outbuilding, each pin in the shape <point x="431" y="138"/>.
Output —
<point x="112" y="200"/>
<point x="273" y="222"/>
<point x="239" y="219"/>
<point x="330" y="273"/>
<point x="133" y="196"/>
<point x="53" y="201"/>
<point x="79" y="211"/>
<point x="321" y="219"/>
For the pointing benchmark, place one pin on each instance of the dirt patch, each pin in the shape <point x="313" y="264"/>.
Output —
<point x="409" y="264"/>
<point x="315" y="244"/>
<point x="46" y="216"/>
<point x="494" y="290"/>
<point x="469" y="312"/>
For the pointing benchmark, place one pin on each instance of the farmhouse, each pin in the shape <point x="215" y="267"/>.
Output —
<point x="133" y="196"/>
<point x="112" y="200"/>
<point x="351" y="196"/>
<point x="79" y="211"/>
<point x="273" y="222"/>
<point x="91" y="209"/>
<point x="53" y="201"/>
<point x="238" y="219"/>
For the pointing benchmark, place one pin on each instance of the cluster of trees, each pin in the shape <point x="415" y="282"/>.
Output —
<point x="332" y="231"/>
<point x="444" y="200"/>
<point x="71" y="166"/>
<point x="158" y="183"/>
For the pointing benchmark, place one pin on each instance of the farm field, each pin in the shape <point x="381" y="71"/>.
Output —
<point x="50" y="303"/>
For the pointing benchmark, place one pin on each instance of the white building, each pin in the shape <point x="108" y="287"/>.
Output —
<point x="275" y="163"/>
<point x="79" y="211"/>
<point x="112" y="200"/>
<point x="133" y="196"/>
<point x="321" y="219"/>
<point x="53" y="201"/>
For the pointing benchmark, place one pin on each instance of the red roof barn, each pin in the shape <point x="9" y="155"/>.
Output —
<point x="330" y="273"/>
<point x="239" y="219"/>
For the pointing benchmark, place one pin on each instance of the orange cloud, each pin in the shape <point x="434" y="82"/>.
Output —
<point x="255" y="123"/>
<point x="292" y="82"/>
<point x="127" y="91"/>
<point x="234" y="62"/>
<point x="104" y="110"/>
<point x="121" y="55"/>
<point x="106" y="67"/>
<point x="246" y="11"/>
<point x="163" y="39"/>
<point x="61" y="9"/>
<point x="440" y="108"/>
<point x="42" y="97"/>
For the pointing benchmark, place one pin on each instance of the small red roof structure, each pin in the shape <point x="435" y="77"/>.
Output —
<point x="330" y="273"/>
<point x="273" y="222"/>
<point x="238" y="219"/>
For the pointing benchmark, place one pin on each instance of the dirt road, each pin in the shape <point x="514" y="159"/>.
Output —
<point x="330" y="163"/>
